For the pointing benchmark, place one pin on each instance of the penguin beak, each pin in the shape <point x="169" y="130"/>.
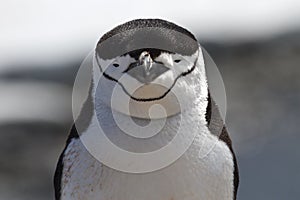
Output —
<point x="146" y="70"/>
<point x="146" y="61"/>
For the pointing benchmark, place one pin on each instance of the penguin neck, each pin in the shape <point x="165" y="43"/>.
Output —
<point x="193" y="109"/>
<point x="192" y="120"/>
<point x="120" y="127"/>
<point x="186" y="96"/>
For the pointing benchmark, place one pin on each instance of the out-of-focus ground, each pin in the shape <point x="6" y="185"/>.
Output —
<point x="263" y="94"/>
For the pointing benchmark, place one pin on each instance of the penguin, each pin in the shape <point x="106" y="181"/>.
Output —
<point x="149" y="62"/>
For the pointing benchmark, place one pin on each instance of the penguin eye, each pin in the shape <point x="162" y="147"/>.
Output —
<point x="116" y="65"/>
<point x="177" y="60"/>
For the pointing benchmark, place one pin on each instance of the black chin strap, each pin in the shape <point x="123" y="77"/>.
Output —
<point x="146" y="99"/>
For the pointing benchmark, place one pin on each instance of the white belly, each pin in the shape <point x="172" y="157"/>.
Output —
<point x="190" y="178"/>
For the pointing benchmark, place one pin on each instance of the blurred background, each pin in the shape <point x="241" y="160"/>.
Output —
<point x="255" y="44"/>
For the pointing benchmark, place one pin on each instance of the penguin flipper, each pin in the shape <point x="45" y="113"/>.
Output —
<point x="60" y="165"/>
<point x="217" y="127"/>
<point x="225" y="138"/>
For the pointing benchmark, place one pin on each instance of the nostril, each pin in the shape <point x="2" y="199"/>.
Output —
<point x="145" y="57"/>
<point x="145" y="53"/>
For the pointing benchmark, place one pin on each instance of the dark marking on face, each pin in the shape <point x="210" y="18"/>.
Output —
<point x="154" y="53"/>
<point x="145" y="99"/>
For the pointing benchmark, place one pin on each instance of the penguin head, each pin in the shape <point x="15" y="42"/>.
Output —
<point x="149" y="62"/>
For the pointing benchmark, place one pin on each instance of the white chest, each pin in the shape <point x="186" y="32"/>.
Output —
<point x="203" y="172"/>
<point x="190" y="178"/>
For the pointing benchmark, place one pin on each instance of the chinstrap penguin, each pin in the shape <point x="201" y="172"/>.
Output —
<point x="170" y="63"/>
